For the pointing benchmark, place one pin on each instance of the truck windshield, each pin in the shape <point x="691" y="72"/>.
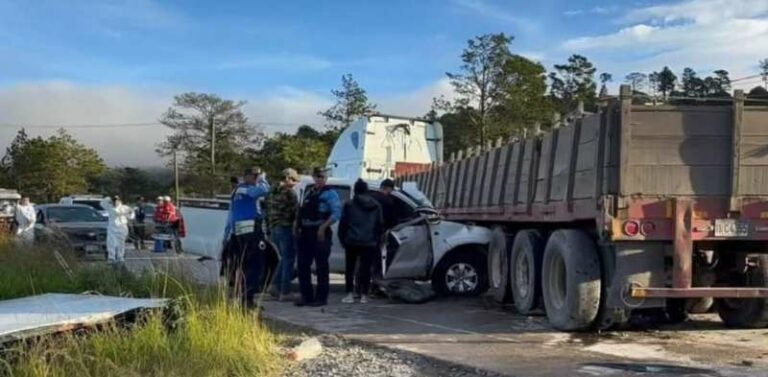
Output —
<point x="74" y="215"/>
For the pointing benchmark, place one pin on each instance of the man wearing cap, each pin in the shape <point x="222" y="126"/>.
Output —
<point x="283" y="205"/>
<point x="246" y="263"/>
<point x="387" y="203"/>
<point x="319" y="210"/>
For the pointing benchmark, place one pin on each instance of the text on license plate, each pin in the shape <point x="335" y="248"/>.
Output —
<point x="731" y="228"/>
<point x="92" y="248"/>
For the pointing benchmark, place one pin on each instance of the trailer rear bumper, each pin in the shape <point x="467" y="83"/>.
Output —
<point x="640" y="292"/>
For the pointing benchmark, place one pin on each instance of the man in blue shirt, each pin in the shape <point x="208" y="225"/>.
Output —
<point x="320" y="209"/>
<point x="245" y="261"/>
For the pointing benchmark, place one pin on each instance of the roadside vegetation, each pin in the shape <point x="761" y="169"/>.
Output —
<point x="207" y="336"/>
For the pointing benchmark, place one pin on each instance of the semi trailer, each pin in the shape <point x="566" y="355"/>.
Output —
<point x="633" y="207"/>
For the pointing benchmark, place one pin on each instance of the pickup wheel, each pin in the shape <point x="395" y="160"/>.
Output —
<point x="461" y="273"/>
<point x="525" y="270"/>
<point x="498" y="266"/>
<point x="747" y="312"/>
<point x="571" y="280"/>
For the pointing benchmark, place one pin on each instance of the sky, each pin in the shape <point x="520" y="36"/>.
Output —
<point x="108" y="62"/>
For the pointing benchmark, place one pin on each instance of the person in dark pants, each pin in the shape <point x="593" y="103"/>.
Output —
<point x="247" y="246"/>
<point x="387" y="202"/>
<point x="139" y="227"/>
<point x="283" y="205"/>
<point x="360" y="230"/>
<point x="319" y="210"/>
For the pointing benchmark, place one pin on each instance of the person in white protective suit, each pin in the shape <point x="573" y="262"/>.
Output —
<point x="117" y="230"/>
<point x="25" y="221"/>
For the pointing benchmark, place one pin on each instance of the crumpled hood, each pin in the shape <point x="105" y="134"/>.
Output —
<point x="365" y="202"/>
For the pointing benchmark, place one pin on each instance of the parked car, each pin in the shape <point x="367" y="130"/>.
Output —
<point x="8" y="201"/>
<point x="93" y="201"/>
<point x="77" y="226"/>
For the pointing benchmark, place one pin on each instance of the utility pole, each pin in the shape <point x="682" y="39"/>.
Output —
<point x="176" y="174"/>
<point x="213" y="156"/>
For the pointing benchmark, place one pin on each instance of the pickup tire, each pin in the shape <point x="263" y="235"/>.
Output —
<point x="525" y="270"/>
<point x="571" y="280"/>
<point x="462" y="272"/>
<point x="498" y="266"/>
<point x="747" y="312"/>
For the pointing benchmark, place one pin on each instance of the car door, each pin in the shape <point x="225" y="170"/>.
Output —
<point x="407" y="253"/>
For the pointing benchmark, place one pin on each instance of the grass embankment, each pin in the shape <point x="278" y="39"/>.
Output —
<point x="212" y="337"/>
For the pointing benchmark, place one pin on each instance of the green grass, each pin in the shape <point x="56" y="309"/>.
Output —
<point x="212" y="337"/>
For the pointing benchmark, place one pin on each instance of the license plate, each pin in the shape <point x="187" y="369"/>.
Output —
<point x="92" y="248"/>
<point x="731" y="228"/>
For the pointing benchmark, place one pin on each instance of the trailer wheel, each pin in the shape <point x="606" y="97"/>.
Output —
<point x="525" y="270"/>
<point x="498" y="266"/>
<point x="747" y="312"/>
<point x="571" y="283"/>
<point x="461" y="273"/>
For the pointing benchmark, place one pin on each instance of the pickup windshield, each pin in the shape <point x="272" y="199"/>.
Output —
<point x="74" y="215"/>
<point x="95" y="204"/>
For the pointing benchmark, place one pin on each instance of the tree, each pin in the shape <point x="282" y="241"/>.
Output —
<point x="636" y="80"/>
<point x="48" y="169"/>
<point x="477" y="83"/>
<point x="522" y="103"/>
<point x="666" y="81"/>
<point x="693" y="86"/>
<point x="759" y="93"/>
<point x="456" y="135"/>
<point x="213" y="134"/>
<point x="605" y="78"/>
<point x="572" y="83"/>
<point x="719" y="85"/>
<point x="129" y="183"/>
<point x="351" y="103"/>
<point x="764" y="71"/>
<point x="300" y="151"/>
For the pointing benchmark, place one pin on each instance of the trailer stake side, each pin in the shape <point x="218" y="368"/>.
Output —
<point x="673" y="201"/>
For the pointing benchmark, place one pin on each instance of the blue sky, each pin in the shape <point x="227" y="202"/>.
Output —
<point x="247" y="46"/>
<point x="117" y="61"/>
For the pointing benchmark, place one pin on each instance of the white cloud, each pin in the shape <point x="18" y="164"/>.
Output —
<point x="702" y="34"/>
<point x="699" y="11"/>
<point x="595" y="10"/>
<point x="65" y="103"/>
<point x="290" y="62"/>
<point x="416" y="103"/>
<point x="485" y="8"/>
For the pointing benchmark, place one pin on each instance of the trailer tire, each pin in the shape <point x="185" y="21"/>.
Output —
<point x="525" y="270"/>
<point x="468" y="262"/>
<point x="747" y="312"/>
<point x="498" y="266"/>
<point x="571" y="280"/>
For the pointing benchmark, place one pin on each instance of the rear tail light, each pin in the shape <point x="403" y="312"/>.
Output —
<point x="647" y="228"/>
<point x="631" y="228"/>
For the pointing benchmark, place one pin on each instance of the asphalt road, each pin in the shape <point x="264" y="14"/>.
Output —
<point x="481" y="335"/>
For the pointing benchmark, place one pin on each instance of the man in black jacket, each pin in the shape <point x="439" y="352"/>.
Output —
<point x="360" y="230"/>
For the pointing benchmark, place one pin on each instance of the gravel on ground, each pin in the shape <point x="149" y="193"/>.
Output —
<point x="342" y="358"/>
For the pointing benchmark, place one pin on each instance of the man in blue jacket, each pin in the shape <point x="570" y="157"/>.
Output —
<point x="320" y="209"/>
<point x="247" y="244"/>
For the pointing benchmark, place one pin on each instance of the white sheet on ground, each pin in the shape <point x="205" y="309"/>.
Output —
<point x="54" y="311"/>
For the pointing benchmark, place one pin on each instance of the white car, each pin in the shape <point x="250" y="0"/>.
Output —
<point x="422" y="246"/>
<point x="93" y="201"/>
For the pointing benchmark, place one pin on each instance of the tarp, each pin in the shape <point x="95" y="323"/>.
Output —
<point x="54" y="312"/>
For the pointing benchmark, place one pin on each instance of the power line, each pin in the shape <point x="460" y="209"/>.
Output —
<point x="760" y="76"/>
<point x="111" y="125"/>
<point x="125" y="125"/>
